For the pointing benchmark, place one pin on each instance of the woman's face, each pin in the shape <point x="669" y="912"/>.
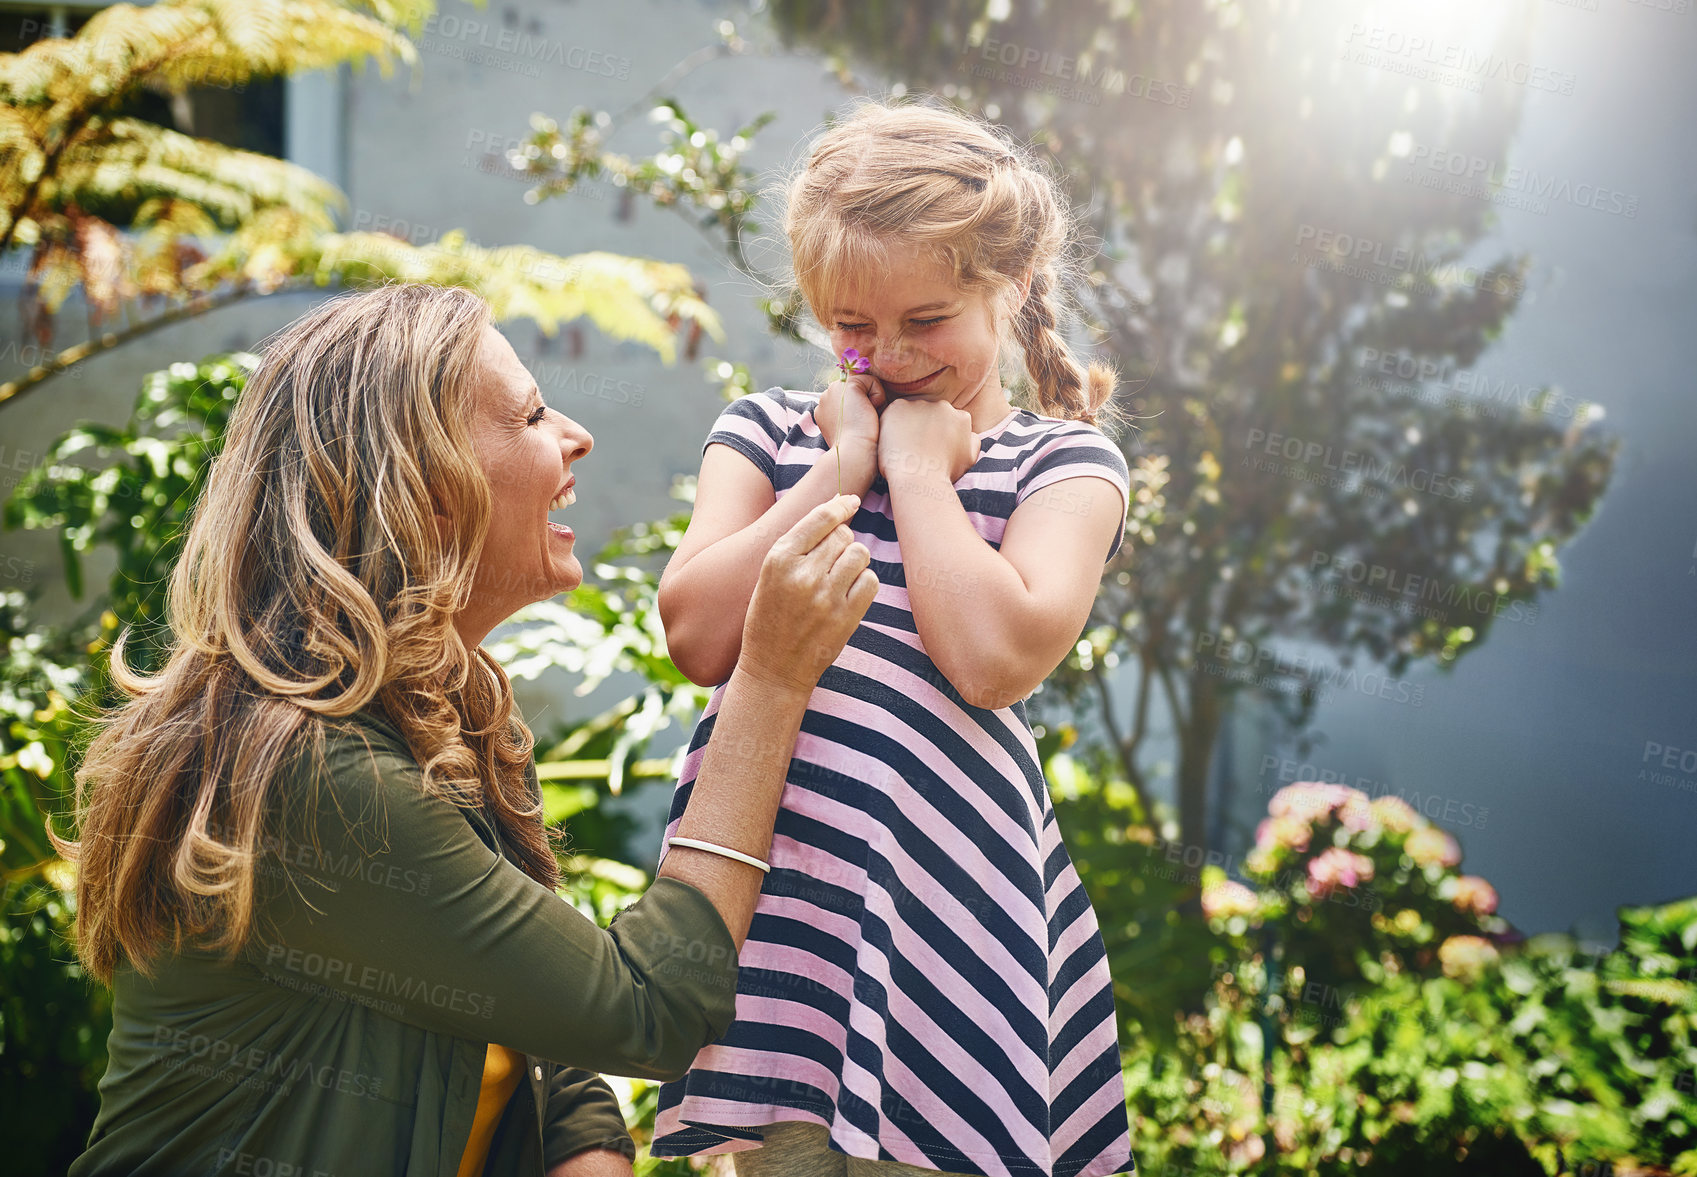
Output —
<point x="526" y="451"/>
<point x="924" y="336"/>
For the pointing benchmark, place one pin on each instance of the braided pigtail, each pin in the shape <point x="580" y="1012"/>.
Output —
<point x="1065" y="388"/>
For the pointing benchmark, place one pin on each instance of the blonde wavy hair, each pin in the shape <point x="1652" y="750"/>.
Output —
<point x="892" y="177"/>
<point x="313" y="583"/>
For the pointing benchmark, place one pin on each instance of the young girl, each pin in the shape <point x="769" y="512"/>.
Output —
<point x="924" y="986"/>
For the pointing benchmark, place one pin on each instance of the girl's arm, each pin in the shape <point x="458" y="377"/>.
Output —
<point x="997" y="623"/>
<point x="705" y="590"/>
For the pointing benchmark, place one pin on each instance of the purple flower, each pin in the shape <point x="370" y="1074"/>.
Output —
<point x="852" y="362"/>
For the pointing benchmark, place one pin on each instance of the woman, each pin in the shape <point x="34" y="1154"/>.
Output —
<point x="313" y="866"/>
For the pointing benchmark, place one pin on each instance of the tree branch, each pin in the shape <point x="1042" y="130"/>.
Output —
<point x="197" y="305"/>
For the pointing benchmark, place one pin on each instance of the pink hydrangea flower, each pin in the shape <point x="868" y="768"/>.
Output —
<point x="1356" y="813"/>
<point x="1336" y="867"/>
<point x="1395" y="814"/>
<point x="1228" y="899"/>
<point x="1430" y="846"/>
<point x="1464" y="957"/>
<point x="1308" y="800"/>
<point x="1283" y="830"/>
<point x="1260" y="860"/>
<point x="1475" y="896"/>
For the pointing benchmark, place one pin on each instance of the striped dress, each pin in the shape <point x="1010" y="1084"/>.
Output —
<point x="924" y="975"/>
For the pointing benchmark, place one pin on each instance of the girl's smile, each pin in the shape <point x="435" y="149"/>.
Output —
<point x="912" y="385"/>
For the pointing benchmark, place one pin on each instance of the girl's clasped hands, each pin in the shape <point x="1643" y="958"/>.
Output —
<point x="901" y="438"/>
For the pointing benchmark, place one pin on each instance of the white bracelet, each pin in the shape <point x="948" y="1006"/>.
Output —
<point x="712" y="848"/>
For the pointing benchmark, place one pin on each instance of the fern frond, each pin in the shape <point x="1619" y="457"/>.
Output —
<point x="57" y="87"/>
<point x="131" y="161"/>
<point x="626" y="298"/>
<point x="181" y="43"/>
<point x="1665" y="990"/>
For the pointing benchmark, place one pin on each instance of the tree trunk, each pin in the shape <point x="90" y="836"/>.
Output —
<point x="1197" y="733"/>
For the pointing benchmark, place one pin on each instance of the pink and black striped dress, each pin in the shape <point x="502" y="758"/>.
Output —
<point x="924" y="974"/>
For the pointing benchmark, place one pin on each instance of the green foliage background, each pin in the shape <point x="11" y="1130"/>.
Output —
<point x="1387" y="1025"/>
<point x="1287" y="1029"/>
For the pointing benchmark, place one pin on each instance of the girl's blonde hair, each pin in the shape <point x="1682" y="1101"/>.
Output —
<point x="313" y="582"/>
<point x="891" y="177"/>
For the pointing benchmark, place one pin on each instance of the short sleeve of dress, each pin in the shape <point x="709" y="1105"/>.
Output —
<point x="755" y="424"/>
<point x="1078" y="450"/>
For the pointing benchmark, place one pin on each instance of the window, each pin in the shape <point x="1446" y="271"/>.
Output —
<point x="246" y="115"/>
<point x="251" y="115"/>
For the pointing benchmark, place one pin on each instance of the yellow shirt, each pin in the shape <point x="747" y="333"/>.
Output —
<point x="502" y="1069"/>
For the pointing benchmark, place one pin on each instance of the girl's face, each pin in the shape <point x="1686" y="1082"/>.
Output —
<point x="924" y="336"/>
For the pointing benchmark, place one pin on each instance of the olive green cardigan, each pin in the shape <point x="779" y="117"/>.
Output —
<point x="394" y="940"/>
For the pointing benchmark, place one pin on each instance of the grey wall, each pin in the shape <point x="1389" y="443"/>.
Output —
<point x="1543" y="751"/>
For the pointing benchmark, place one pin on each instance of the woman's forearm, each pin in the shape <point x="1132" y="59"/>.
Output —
<point x="734" y="800"/>
<point x="594" y="1162"/>
<point x="704" y="602"/>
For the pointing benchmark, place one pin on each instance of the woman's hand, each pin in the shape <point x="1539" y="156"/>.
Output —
<point x="815" y="585"/>
<point x="922" y="436"/>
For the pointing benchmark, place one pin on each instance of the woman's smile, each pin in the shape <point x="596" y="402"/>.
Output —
<point x="566" y="497"/>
